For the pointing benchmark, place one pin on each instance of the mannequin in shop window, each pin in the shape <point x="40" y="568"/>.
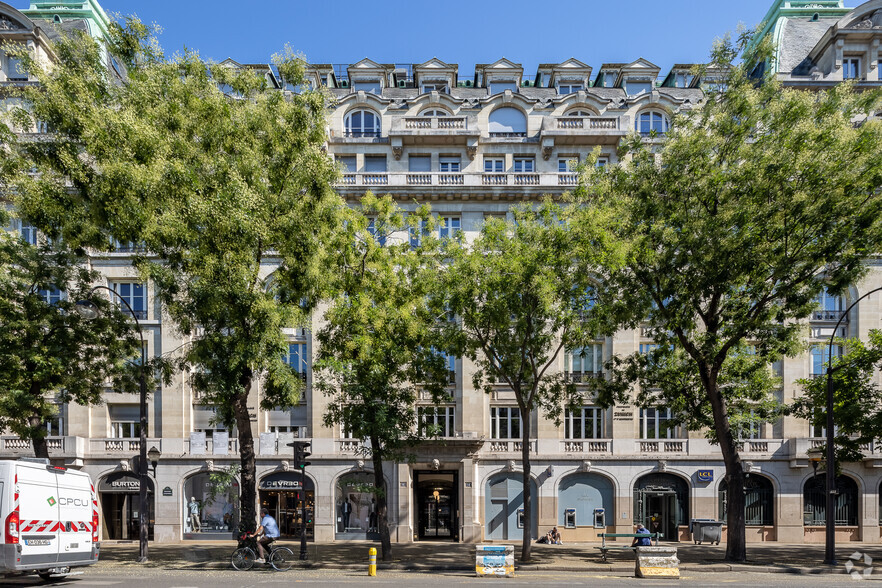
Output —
<point x="195" y="523"/>
<point x="347" y="512"/>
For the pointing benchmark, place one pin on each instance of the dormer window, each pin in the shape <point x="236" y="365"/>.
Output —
<point x="569" y="88"/>
<point x="633" y="88"/>
<point x="369" y="86"/>
<point x="435" y="87"/>
<point x="683" y="80"/>
<point x="501" y="86"/>
<point x="851" y="68"/>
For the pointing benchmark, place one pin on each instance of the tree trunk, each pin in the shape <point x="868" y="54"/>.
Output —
<point x="38" y="437"/>
<point x="248" y="489"/>
<point x="382" y="500"/>
<point x="528" y="493"/>
<point x="736" y="549"/>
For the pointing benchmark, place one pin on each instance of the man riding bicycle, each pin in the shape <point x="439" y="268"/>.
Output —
<point x="267" y="532"/>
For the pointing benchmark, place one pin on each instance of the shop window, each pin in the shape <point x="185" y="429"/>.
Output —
<point x="210" y="506"/>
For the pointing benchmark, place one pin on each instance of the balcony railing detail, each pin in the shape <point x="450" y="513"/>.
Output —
<point x="436" y="122"/>
<point x="494" y="179"/>
<point x="662" y="446"/>
<point x="587" y="446"/>
<point x="419" y="179"/>
<point x="526" y="179"/>
<point x="584" y="377"/>
<point x="829" y="315"/>
<point x="568" y="179"/>
<point x="450" y="179"/>
<point x="588" y="122"/>
<point x="375" y="179"/>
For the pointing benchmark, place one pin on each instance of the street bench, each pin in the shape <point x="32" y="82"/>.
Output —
<point x="604" y="548"/>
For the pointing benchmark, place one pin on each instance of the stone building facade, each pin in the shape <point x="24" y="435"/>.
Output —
<point x="472" y="146"/>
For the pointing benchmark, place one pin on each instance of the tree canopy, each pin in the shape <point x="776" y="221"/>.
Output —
<point x="728" y="225"/>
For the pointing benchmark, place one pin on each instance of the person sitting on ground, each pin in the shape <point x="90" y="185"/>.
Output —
<point x="641" y="541"/>
<point x="555" y="536"/>
<point x="267" y="532"/>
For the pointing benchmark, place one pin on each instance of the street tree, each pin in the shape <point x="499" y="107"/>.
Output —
<point x="49" y="354"/>
<point x="857" y="398"/>
<point x="377" y="352"/>
<point x="522" y="294"/>
<point x="222" y="181"/>
<point x="729" y="224"/>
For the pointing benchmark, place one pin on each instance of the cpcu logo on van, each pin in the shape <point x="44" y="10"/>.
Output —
<point x="51" y="501"/>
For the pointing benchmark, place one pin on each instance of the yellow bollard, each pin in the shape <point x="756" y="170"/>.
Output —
<point x="372" y="568"/>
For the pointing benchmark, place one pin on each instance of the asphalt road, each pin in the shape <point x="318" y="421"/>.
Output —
<point x="158" y="578"/>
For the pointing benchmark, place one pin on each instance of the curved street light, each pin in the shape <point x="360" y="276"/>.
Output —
<point x="90" y="311"/>
<point x="830" y="519"/>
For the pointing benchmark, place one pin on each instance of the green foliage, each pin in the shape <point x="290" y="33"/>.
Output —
<point x="221" y="481"/>
<point x="223" y="180"/>
<point x="49" y="354"/>
<point x="376" y="350"/>
<point x="857" y="398"/>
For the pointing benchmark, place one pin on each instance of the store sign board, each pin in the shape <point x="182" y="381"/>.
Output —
<point x="280" y="481"/>
<point x="121" y="483"/>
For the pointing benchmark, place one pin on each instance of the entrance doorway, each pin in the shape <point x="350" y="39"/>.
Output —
<point x="661" y="504"/>
<point x="437" y="504"/>
<point x="283" y="496"/>
<point x="120" y="506"/>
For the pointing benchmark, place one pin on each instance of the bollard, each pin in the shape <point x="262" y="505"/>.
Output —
<point x="372" y="568"/>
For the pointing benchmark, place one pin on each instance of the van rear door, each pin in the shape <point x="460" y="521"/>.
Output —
<point x="38" y="514"/>
<point x="75" y="516"/>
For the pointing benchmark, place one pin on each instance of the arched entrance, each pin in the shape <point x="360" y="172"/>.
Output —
<point x="119" y="494"/>
<point x="283" y="493"/>
<point x="759" y="501"/>
<point x="504" y="506"/>
<point x="661" y="504"/>
<point x="814" y="496"/>
<point x="209" y="508"/>
<point x="579" y="495"/>
<point x="355" y="505"/>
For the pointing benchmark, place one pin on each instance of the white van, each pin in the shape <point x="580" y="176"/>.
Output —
<point x="50" y="518"/>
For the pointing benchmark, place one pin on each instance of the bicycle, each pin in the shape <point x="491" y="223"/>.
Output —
<point x="245" y="555"/>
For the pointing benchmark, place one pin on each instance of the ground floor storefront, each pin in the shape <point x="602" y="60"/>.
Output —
<point x="451" y="494"/>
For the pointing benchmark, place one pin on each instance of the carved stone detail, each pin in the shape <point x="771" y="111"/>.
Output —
<point x="7" y="24"/>
<point x="472" y="151"/>
<point x="546" y="151"/>
<point x="397" y="150"/>
<point x="436" y="465"/>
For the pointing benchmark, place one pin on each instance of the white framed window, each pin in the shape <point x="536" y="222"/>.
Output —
<point x="569" y="88"/>
<point x="52" y="295"/>
<point x="652" y="121"/>
<point x="15" y="71"/>
<point x="602" y="161"/>
<point x="507" y="121"/>
<point x="298" y="430"/>
<point x="494" y="165"/>
<point x="362" y="123"/>
<point x="125" y="421"/>
<point x="567" y="165"/>
<point x="751" y="429"/>
<point x="369" y="86"/>
<point x="437" y="420"/>
<point x="654" y="424"/>
<point x="830" y="307"/>
<point x="580" y="112"/>
<point x="633" y="88"/>
<point x="435" y="87"/>
<point x="524" y="165"/>
<point x="683" y="80"/>
<point x="450" y="362"/>
<point x="296" y="358"/>
<point x="55" y="425"/>
<point x="584" y="363"/>
<point x="435" y="112"/>
<point x="348" y="162"/>
<point x="503" y="85"/>
<point x="417" y="234"/>
<point x="584" y="423"/>
<point x="449" y="226"/>
<point x="27" y="232"/>
<point x="449" y="164"/>
<point x="505" y="422"/>
<point x="377" y="231"/>
<point x="819" y="354"/>
<point x="135" y="293"/>
<point x="851" y="68"/>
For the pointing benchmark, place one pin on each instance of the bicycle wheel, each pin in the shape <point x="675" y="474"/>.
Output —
<point x="243" y="558"/>
<point x="281" y="559"/>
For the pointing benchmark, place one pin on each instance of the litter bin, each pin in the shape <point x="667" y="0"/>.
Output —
<point x="709" y="530"/>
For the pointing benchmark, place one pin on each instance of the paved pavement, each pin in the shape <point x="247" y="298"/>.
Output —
<point x="459" y="557"/>
<point x="162" y="578"/>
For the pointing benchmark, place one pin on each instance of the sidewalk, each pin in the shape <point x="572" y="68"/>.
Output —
<point x="442" y="556"/>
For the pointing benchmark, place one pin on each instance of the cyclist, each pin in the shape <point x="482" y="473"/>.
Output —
<point x="267" y="532"/>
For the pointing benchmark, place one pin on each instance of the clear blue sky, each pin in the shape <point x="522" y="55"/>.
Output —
<point x="456" y="31"/>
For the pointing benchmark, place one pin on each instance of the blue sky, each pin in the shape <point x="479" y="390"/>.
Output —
<point x="456" y="31"/>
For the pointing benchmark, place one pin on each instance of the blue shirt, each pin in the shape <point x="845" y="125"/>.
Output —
<point x="270" y="528"/>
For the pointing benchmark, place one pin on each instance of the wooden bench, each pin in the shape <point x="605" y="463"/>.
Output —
<point x="604" y="548"/>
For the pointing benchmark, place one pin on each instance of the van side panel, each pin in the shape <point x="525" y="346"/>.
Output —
<point x="75" y="509"/>
<point x="39" y="515"/>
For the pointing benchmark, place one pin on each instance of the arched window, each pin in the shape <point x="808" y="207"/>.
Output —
<point x="759" y="501"/>
<point x="580" y="112"/>
<point x="434" y="112"/>
<point x="814" y="502"/>
<point x="508" y="122"/>
<point x="362" y="123"/>
<point x="652" y="121"/>
<point x="581" y="494"/>
<point x="830" y="307"/>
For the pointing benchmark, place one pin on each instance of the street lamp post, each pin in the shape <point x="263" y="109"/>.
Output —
<point x="830" y="518"/>
<point x="90" y="311"/>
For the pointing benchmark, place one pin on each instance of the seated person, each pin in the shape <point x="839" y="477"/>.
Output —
<point x="555" y="536"/>
<point x="267" y="532"/>
<point x="641" y="541"/>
